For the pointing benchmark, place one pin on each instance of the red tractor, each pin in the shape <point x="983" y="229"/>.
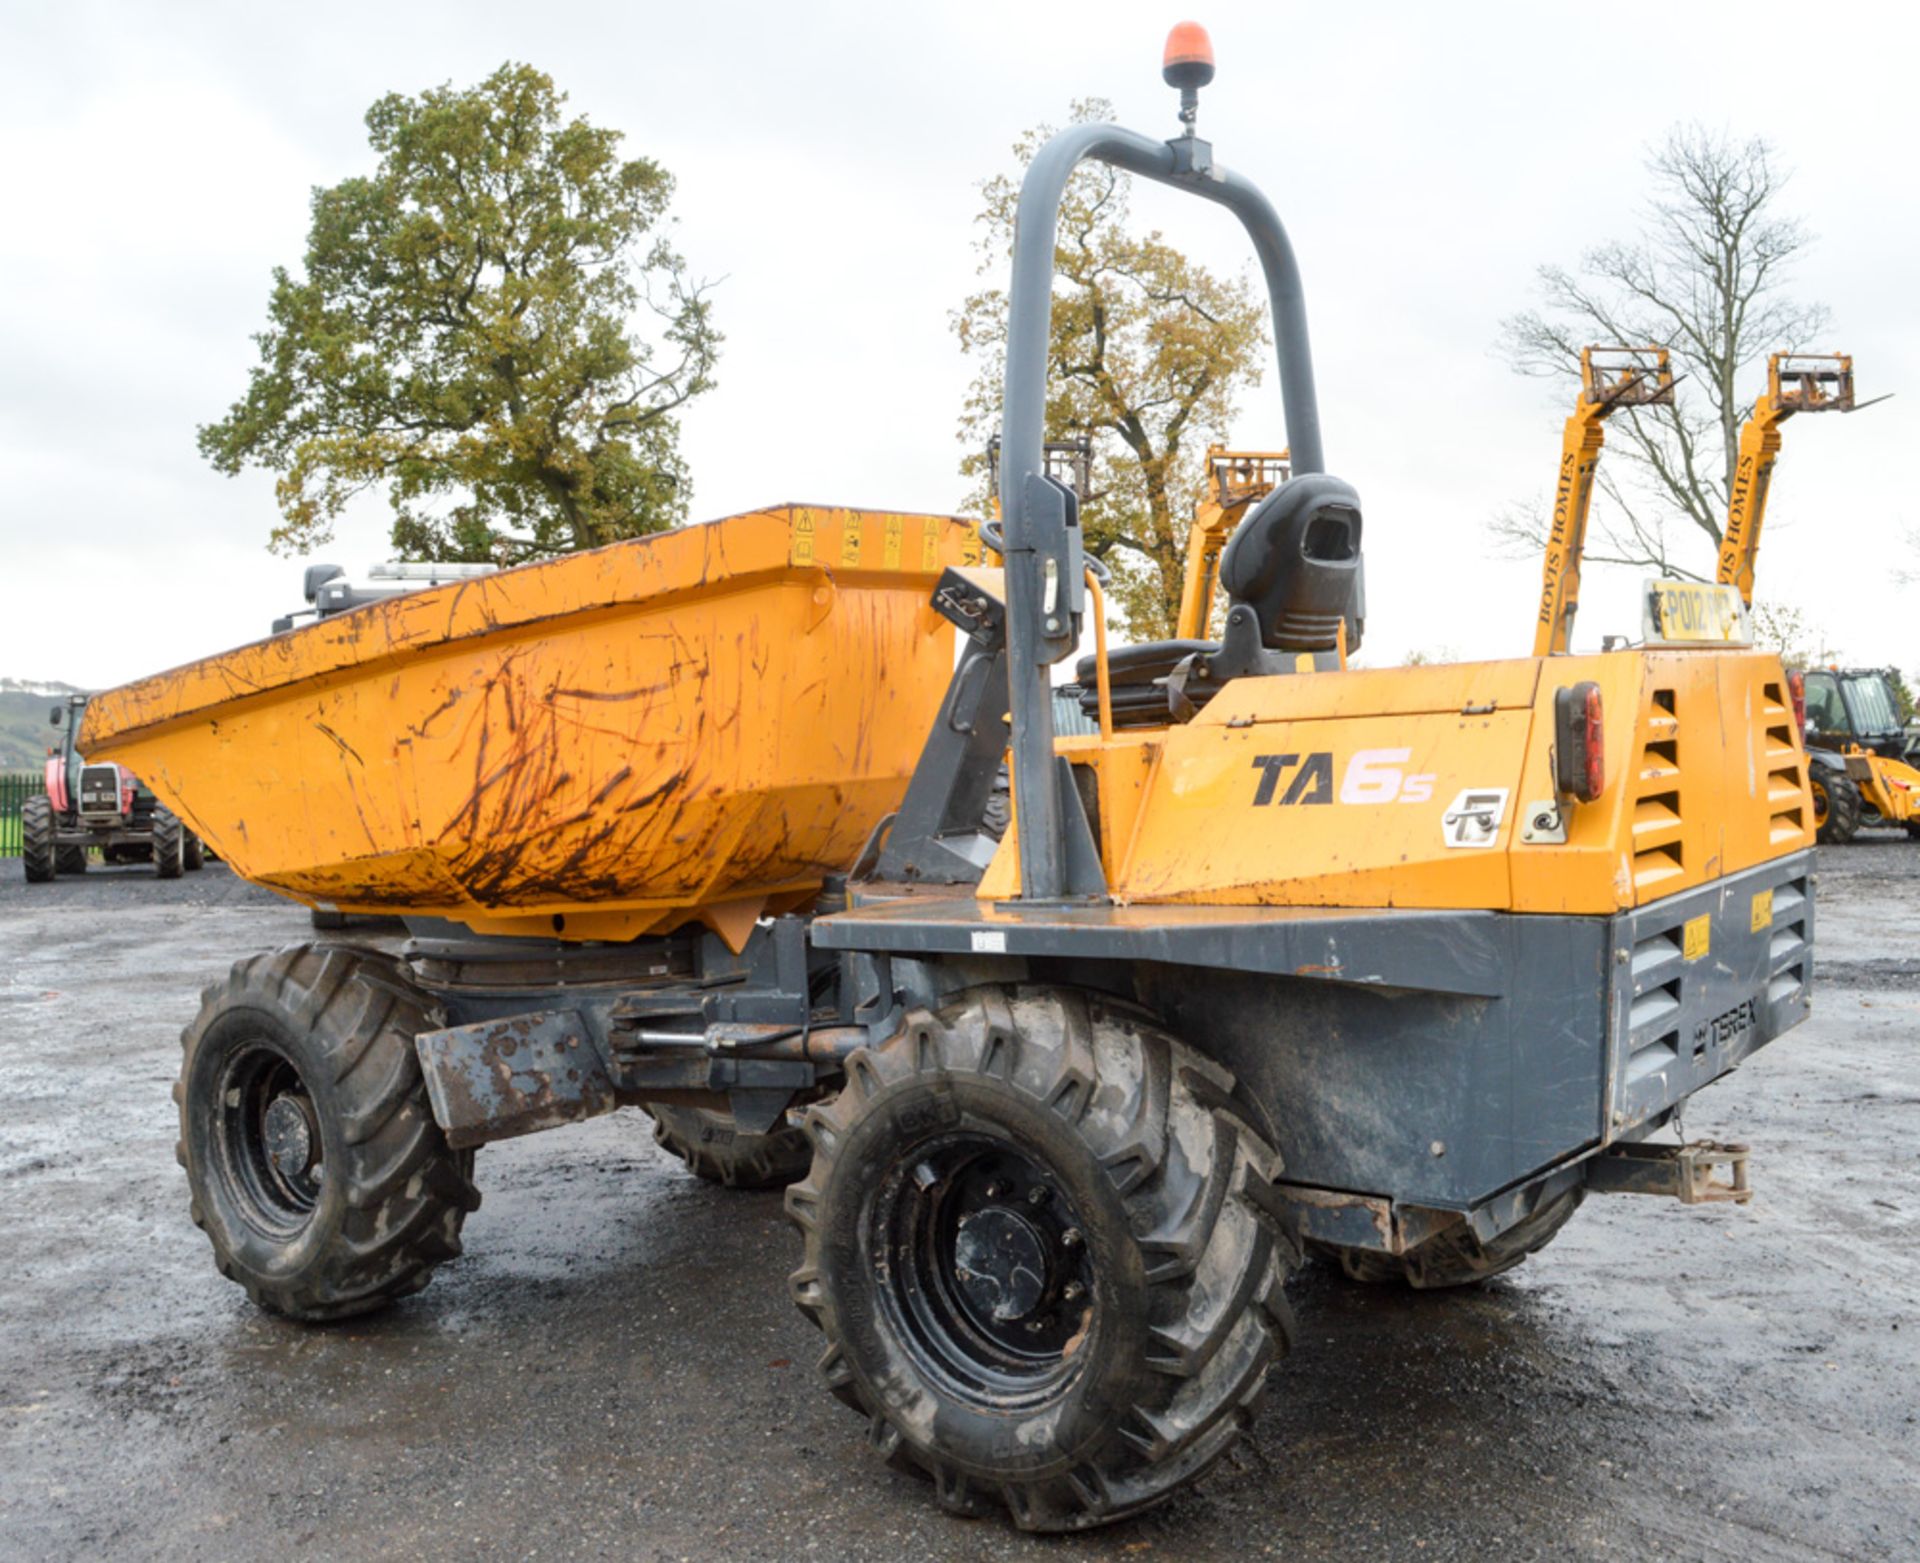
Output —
<point x="102" y="806"/>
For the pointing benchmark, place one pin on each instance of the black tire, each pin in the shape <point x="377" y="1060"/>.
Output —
<point x="70" y="860"/>
<point x="1456" y="1257"/>
<point x="1913" y="829"/>
<point x="714" y="1149"/>
<point x="193" y="856"/>
<point x="998" y="816"/>
<point x="38" y="856"/>
<point x="1837" y="807"/>
<point x="1122" y="1157"/>
<point x="169" y="844"/>
<point x="315" y="1043"/>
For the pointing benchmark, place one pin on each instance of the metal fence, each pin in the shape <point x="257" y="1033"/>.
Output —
<point x="15" y="788"/>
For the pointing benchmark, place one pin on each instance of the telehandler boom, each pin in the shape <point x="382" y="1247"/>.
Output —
<point x="1796" y="382"/>
<point x="1236" y="479"/>
<point x="1390" y="966"/>
<point x="1858" y="769"/>
<point x="1610" y="378"/>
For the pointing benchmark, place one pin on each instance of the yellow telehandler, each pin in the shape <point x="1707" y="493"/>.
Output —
<point x="1393" y="965"/>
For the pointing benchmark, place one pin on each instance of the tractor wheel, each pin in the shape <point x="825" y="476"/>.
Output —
<point x="38" y="855"/>
<point x="1456" y="1257"/>
<point x="316" y="1167"/>
<point x="1836" y="808"/>
<point x="193" y="856"/>
<point x="1913" y="829"/>
<point x="70" y="860"/>
<point x="169" y="844"/>
<point x="714" y="1149"/>
<point x="1039" y="1245"/>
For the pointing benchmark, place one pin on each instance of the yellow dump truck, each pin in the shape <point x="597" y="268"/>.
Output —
<point x="1283" y="959"/>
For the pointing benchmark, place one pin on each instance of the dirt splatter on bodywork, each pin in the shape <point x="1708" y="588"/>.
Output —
<point x="697" y="725"/>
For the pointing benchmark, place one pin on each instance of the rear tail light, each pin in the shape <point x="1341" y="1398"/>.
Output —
<point x="1579" y="747"/>
<point x="1797" y="688"/>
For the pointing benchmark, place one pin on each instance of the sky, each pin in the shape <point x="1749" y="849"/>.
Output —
<point x="156" y="164"/>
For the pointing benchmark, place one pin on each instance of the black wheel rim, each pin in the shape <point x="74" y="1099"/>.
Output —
<point x="269" y="1140"/>
<point x="988" y="1281"/>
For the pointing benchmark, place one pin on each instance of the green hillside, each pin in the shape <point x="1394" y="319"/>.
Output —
<point x="24" y="730"/>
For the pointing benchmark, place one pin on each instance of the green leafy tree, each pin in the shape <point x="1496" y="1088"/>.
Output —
<point x="463" y="337"/>
<point x="1148" y="357"/>
<point x="1902" y="694"/>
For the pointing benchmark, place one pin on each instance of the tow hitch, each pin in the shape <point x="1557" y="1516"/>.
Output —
<point x="1685" y="1172"/>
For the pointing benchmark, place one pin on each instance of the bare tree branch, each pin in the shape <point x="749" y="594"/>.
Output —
<point x="1708" y="278"/>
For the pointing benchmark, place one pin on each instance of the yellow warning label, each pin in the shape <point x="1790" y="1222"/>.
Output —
<point x="890" y="549"/>
<point x="850" y="541"/>
<point x="970" y="547"/>
<point x="1762" y="911"/>
<point x="1699" y="936"/>
<point x="929" y="546"/>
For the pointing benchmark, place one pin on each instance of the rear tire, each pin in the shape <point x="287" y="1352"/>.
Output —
<point x="169" y="844"/>
<point x="38" y="856"/>
<point x="714" y="1149"/>
<point x="1837" y="807"/>
<point x="317" y="1170"/>
<point x="193" y="856"/>
<point x="1039" y="1243"/>
<point x="1456" y="1257"/>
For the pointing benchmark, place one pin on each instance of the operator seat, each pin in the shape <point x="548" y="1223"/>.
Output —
<point x="1291" y="571"/>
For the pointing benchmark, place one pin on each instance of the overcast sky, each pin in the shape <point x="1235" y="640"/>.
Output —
<point x="156" y="162"/>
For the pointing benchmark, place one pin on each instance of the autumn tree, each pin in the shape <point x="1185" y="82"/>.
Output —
<point x="1148" y="357"/>
<point x="1708" y="277"/>
<point x="463" y="337"/>
<point x="1781" y="628"/>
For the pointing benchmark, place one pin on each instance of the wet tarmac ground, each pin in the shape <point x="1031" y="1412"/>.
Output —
<point x="614" y="1370"/>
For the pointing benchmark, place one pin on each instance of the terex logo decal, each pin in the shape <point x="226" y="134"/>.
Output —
<point x="1371" y="776"/>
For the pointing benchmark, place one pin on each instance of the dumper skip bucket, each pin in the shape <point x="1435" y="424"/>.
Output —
<point x="691" y="727"/>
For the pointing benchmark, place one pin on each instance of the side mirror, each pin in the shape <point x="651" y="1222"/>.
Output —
<point x="57" y="716"/>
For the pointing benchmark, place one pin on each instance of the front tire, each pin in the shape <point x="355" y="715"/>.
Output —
<point x="1837" y="807"/>
<point x="317" y="1170"/>
<point x="715" y="1149"/>
<point x="169" y="844"/>
<point x="39" y="858"/>
<point x="193" y="856"/>
<point x="1040" y="1245"/>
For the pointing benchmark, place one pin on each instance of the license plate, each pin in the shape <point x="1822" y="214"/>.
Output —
<point x="1695" y="613"/>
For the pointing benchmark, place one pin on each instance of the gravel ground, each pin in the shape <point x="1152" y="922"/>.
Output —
<point x="614" y="1369"/>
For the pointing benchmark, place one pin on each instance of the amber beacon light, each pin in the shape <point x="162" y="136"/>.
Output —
<point x="1188" y="61"/>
